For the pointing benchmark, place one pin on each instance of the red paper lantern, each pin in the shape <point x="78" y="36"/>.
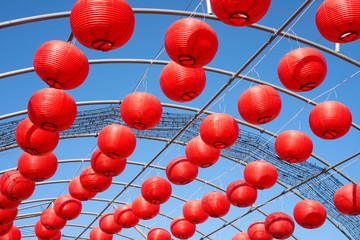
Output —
<point x="105" y="166"/>
<point x="240" y="13"/>
<point x="52" y="109"/>
<point x="35" y="140"/>
<point x="309" y="214"/>
<point x="156" y="190"/>
<point x="141" y="110"/>
<point x="43" y="233"/>
<point x="97" y="234"/>
<point x="142" y="209"/>
<point x="293" y="146"/>
<point x="93" y="182"/>
<point x="108" y="225"/>
<point x="102" y="25"/>
<point x="339" y="20"/>
<point x="67" y="207"/>
<point x="259" y="104"/>
<point x="77" y="191"/>
<point x="302" y="69"/>
<point x="61" y="64"/>
<point x="8" y="216"/>
<point x="37" y="168"/>
<point x="15" y="186"/>
<point x="215" y="204"/>
<point x="330" y="120"/>
<point x="219" y="130"/>
<point x="7" y="204"/>
<point x="347" y="199"/>
<point x="51" y="221"/>
<point x="241" y="236"/>
<point x="194" y="213"/>
<point x="4" y="229"/>
<point x="182" y="228"/>
<point x="191" y="42"/>
<point x="158" y="234"/>
<point x="200" y="154"/>
<point x="13" y="234"/>
<point x="241" y="194"/>
<point x="256" y="231"/>
<point x="182" y="84"/>
<point x="180" y="171"/>
<point x="260" y="174"/>
<point x="125" y="217"/>
<point x="279" y="225"/>
<point x="116" y="141"/>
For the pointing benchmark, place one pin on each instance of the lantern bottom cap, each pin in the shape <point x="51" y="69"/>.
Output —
<point x="188" y="96"/>
<point x="330" y="134"/>
<point x="239" y="19"/>
<point x="139" y="126"/>
<point x="32" y="151"/>
<point x="308" y="86"/>
<point x="49" y="126"/>
<point x="53" y="83"/>
<point x="348" y="36"/>
<point x="186" y="60"/>
<point x="102" y="45"/>
<point x="264" y="120"/>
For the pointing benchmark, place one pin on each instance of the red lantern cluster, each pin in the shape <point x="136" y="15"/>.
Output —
<point x="260" y="174"/>
<point x="102" y="25"/>
<point x="191" y="42"/>
<point x="279" y="225"/>
<point x="156" y="190"/>
<point x="241" y="236"/>
<point x="215" y="204"/>
<point x="180" y="171"/>
<point x="339" y="21"/>
<point x="97" y="234"/>
<point x="241" y="194"/>
<point x="67" y="207"/>
<point x="200" y="154"/>
<point x="7" y="216"/>
<point x="105" y="166"/>
<point x="142" y="209"/>
<point x="182" y="228"/>
<point x="347" y="199"/>
<point x="125" y="217"/>
<point x="43" y="233"/>
<point x="51" y="221"/>
<point x="77" y="191"/>
<point x="330" y="120"/>
<point x="309" y="214"/>
<point x="259" y="104"/>
<point x="93" y="182"/>
<point x="108" y="225"/>
<point x="13" y="234"/>
<point x="15" y="186"/>
<point x="158" y="234"/>
<point x="194" y="213"/>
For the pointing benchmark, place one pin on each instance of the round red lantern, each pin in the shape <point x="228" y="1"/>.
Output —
<point x="293" y="146"/>
<point x="256" y="231"/>
<point x="180" y="171"/>
<point x="347" y="199"/>
<point x="7" y="204"/>
<point x="93" y="182"/>
<point x="339" y="20"/>
<point x="302" y="69"/>
<point x="191" y="42"/>
<point x="37" y="168"/>
<point x="330" y="120"/>
<point x="215" y="204"/>
<point x="158" y="234"/>
<point x="260" y="174"/>
<point x="43" y="233"/>
<point x="141" y="110"/>
<point x="67" y="207"/>
<point x="241" y="236"/>
<point x="102" y="25"/>
<point x="97" y="234"/>
<point x="240" y="14"/>
<point x="61" y="64"/>
<point x="182" y="228"/>
<point x="182" y="84"/>
<point x="15" y="186"/>
<point x="13" y="234"/>
<point x="77" y="191"/>
<point x="241" y="194"/>
<point x="309" y="214"/>
<point x="279" y="225"/>
<point x="35" y="140"/>
<point x="194" y="213"/>
<point x="156" y="190"/>
<point x="259" y="104"/>
<point x="125" y="217"/>
<point x="105" y="166"/>
<point x="51" y="221"/>
<point x="4" y="229"/>
<point x="142" y="209"/>
<point x="7" y="216"/>
<point x="52" y="109"/>
<point x="108" y="225"/>
<point x="219" y="130"/>
<point x="200" y="154"/>
<point x="116" y="141"/>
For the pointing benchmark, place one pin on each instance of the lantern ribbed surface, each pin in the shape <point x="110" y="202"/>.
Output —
<point x="330" y="120"/>
<point x="102" y="25"/>
<point x="182" y="228"/>
<point x="182" y="84"/>
<point x="7" y="216"/>
<point x="4" y="229"/>
<point x="194" y="213"/>
<point x="52" y="109"/>
<point x="67" y="207"/>
<point x="142" y="209"/>
<point x="97" y="234"/>
<point x="156" y="190"/>
<point x="200" y="154"/>
<point x="35" y="140"/>
<point x="108" y="225"/>
<point x="7" y="204"/>
<point x="241" y="194"/>
<point x="215" y="204"/>
<point x="302" y="69"/>
<point x="181" y="171"/>
<point x="43" y="233"/>
<point x="260" y="174"/>
<point x="309" y="214"/>
<point x="279" y="225"/>
<point x="259" y="104"/>
<point x="347" y="199"/>
<point x="158" y="234"/>
<point x="93" y="182"/>
<point x="125" y="217"/>
<point x="241" y="236"/>
<point x="339" y="20"/>
<point x="240" y="13"/>
<point x="191" y="42"/>
<point x="13" y="234"/>
<point x="256" y="231"/>
<point x="51" y="221"/>
<point x="15" y="186"/>
<point x="77" y="191"/>
<point x="61" y="64"/>
<point x="105" y="166"/>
